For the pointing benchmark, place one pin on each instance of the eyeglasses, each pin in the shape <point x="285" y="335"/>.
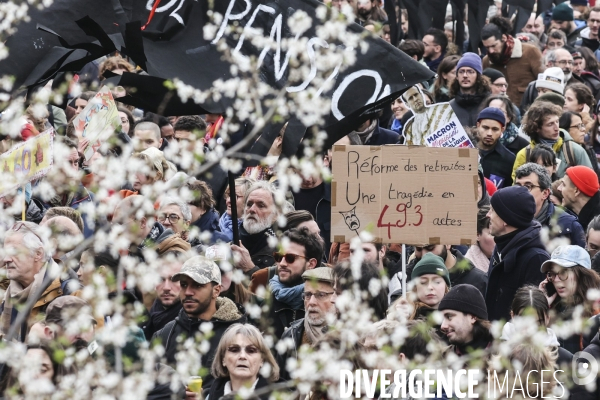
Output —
<point x="528" y="186"/>
<point x="466" y="71"/>
<point x="320" y="296"/>
<point x="429" y="247"/>
<point x="565" y="62"/>
<point x="562" y="275"/>
<point x="580" y="126"/>
<point x="247" y="349"/>
<point x="289" y="258"/>
<point x="173" y="218"/>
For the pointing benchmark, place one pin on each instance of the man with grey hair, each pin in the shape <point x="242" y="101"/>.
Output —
<point x="147" y="134"/>
<point x="561" y="222"/>
<point x="31" y="272"/>
<point x="260" y="213"/>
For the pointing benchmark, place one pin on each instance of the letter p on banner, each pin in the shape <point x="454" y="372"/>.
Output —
<point x="585" y="368"/>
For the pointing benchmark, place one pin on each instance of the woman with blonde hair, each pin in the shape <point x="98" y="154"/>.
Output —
<point x="238" y="360"/>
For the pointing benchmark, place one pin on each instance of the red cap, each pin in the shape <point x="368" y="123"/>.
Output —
<point x="584" y="178"/>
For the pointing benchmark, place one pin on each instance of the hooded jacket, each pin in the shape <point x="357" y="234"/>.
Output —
<point x="584" y="40"/>
<point x="228" y="313"/>
<point x="581" y="157"/>
<point x="516" y="261"/>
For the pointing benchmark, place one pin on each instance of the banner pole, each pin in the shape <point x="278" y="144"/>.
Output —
<point x="403" y="270"/>
<point x="24" y="206"/>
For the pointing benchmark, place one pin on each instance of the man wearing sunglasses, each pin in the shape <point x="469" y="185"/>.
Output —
<point x="302" y="251"/>
<point x="318" y="289"/>
<point x="28" y="268"/>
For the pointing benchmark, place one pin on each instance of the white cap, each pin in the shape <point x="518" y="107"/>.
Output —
<point x="553" y="79"/>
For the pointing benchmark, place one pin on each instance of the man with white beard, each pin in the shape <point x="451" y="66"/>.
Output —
<point x="319" y="310"/>
<point x="260" y="213"/>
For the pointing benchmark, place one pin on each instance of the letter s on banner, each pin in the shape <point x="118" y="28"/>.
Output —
<point x="346" y="383"/>
<point x="335" y="99"/>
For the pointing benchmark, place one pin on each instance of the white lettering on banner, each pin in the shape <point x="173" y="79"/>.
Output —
<point x="281" y="66"/>
<point x="347" y="81"/>
<point x="164" y="8"/>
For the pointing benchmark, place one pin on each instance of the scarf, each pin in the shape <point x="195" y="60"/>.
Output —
<point x="396" y="125"/>
<point x="508" y="48"/>
<point x="549" y="142"/>
<point x="314" y="333"/>
<point x="16" y="295"/>
<point x="509" y="135"/>
<point x="359" y="138"/>
<point x="290" y="295"/>
<point x="542" y="216"/>
<point x="256" y="242"/>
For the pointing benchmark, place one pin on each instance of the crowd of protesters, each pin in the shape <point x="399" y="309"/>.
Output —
<point x="240" y="290"/>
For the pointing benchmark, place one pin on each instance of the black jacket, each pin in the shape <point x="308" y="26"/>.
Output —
<point x="228" y="313"/>
<point x="258" y="247"/>
<point x="282" y="316"/>
<point x="217" y="389"/>
<point x="497" y="165"/>
<point x="323" y="217"/>
<point x="465" y="272"/>
<point x="579" y="392"/>
<point x="589" y="211"/>
<point x="466" y="107"/>
<point x="294" y="332"/>
<point x="516" y="261"/>
<point x="209" y="221"/>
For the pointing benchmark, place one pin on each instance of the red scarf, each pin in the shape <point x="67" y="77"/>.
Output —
<point x="508" y="48"/>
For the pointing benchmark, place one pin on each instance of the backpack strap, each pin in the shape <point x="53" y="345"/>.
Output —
<point x="568" y="152"/>
<point x="272" y="272"/>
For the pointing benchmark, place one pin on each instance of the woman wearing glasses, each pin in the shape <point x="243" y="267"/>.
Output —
<point x="241" y="354"/>
<point x="569" y="277"/>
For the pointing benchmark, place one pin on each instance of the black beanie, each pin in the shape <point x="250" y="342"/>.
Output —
<point x="493" y="74"/>
<point x="465" y="298"/>
<point x="515" y="205"/>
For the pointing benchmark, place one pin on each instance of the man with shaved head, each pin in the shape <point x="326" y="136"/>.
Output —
<point x="134" y="213"/>
<point x="147" y="134"/>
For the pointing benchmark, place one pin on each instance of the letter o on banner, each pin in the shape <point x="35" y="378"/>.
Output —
<point x="346" y="82"/>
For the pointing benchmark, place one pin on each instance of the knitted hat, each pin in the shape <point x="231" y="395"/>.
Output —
<point x="552" y="78"/>
<point x="562" y="12"/>
<point x="465" y="298"/>
<point x="492" y="113"/>
<point x="515" y="205"/>
<point x="470" y="60"/>
<point x="431" y="264"/>
<point x="493" y="74"/>
<point x="553" y="98"/>
<point x="584" y="178"/>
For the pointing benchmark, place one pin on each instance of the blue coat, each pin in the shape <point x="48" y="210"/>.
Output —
<point x="567" y="224"/>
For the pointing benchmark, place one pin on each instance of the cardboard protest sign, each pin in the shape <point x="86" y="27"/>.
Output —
<point x="405" y="194"/>
<point x="98" y="121"/>
<point x="434" y="125"/>
<point x="26" y="161"/>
